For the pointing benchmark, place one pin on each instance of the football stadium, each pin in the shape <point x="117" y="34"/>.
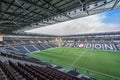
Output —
<point x="59" y="40"/>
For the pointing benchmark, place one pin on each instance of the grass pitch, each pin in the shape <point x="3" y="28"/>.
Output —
<point x="98" y="61"/>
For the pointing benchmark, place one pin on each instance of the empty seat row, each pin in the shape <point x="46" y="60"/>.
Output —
<point x="7" y="71"/>
<point x="24" y="73"/>
<point x="40" y="73"/>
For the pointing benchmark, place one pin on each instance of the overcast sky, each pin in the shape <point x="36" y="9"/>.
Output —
<point x="104" y="22"/>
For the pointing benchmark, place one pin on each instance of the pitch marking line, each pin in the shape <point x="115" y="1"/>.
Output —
<point x="107" y="75"/>
<point x="79" y="57"/>
<point x="117" y="78"/>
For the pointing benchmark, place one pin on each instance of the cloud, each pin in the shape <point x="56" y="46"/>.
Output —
<point x="90" y="24"/>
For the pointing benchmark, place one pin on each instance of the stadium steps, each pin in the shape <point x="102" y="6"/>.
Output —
<point x="30" y="48"/>
<point x="21" y="49"/>
<point x="39" y="47"/>
<point x="22" y="71"/>
<point x="43" y="46"/>
<point x="16" y="74"/>
<point x="15" y="49"/>
<point x="2" y="75"/>
<point x="35" y="47"/>
<point x="49" y="45"/>
<point x="26" y="48"/>
<point x="7" y="72"/>
<point x="13" y="58"/>
<point x="52" y="45"/>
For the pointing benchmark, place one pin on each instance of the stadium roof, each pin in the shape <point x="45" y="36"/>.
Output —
<point x="17" y="15"/>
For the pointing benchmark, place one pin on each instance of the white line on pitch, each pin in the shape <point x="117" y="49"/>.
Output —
<point x="107" y="75"/>
<point x="79" y="57"/>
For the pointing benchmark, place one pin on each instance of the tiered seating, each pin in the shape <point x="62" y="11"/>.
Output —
<point x="17" y="41"/>
<point x="46" y="46"/>
<point x="7" y="71"/>
<point x="21" y="49"/>
<point x="52" y="45"/>
<point x="2" y="43"/>
<point x="69" y="45"/>
<point x="2" y="75"/>
<point x="26" y="41"/>
<point x="31" y="72"/>
<point x="9" y="42"/>
<point x="39" y="47"/>
<point x="12" y="49"/>
<point x="34" y="41"/>
<point x="18" y="71"/>
<point x="31" y="48"/>
<point x="42" y="45"/>
<point x="23" y="58"/>
<point x="22" y="72"/>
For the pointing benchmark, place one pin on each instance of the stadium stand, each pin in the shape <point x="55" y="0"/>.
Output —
<point x="31" y="48"/>
<point x="2" y="75"/>
<point x="103" y="41"/>
<point x="23" y="58"/>
<point x="22" y="49"/>
<point x="24" y="71"/>
<point x="16" y="60"/>
<point x="16" y="66"/>
<point x="39" y="47"/>
<point x="18" y="16"/>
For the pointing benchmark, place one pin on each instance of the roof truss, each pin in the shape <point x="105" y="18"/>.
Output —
<point x="26" y="13"/>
